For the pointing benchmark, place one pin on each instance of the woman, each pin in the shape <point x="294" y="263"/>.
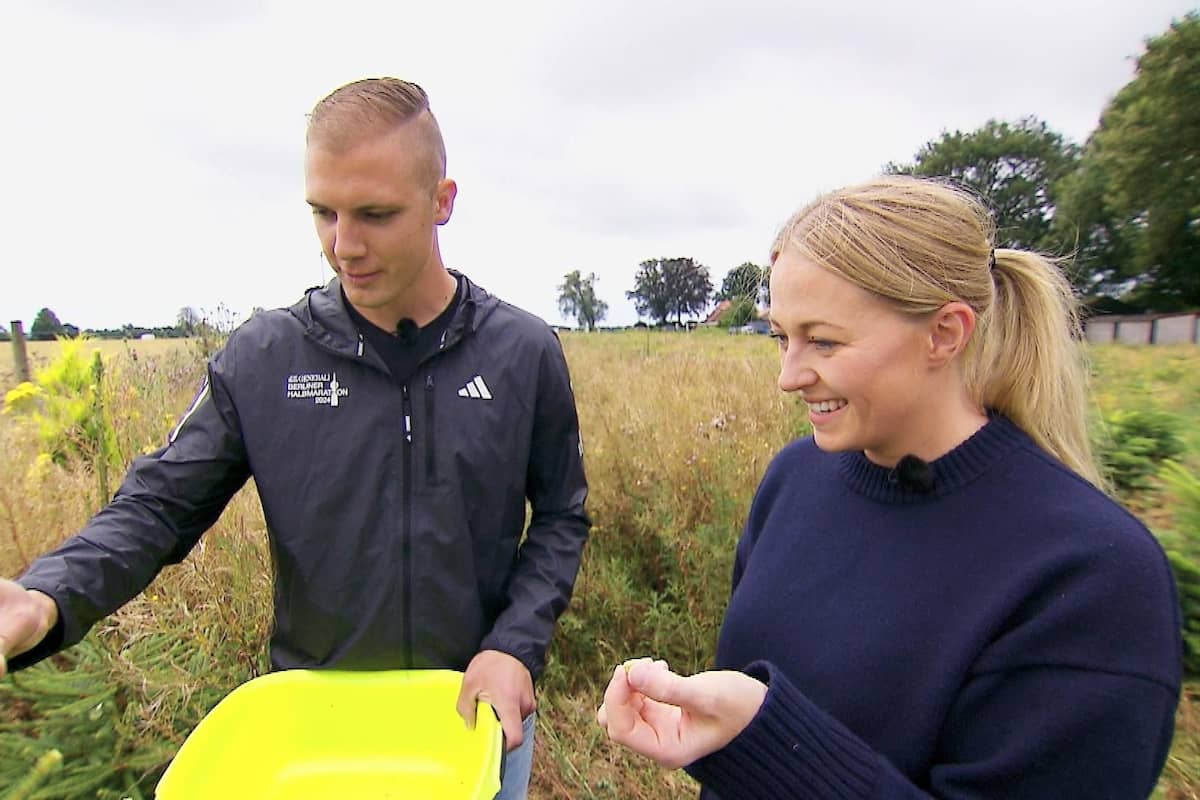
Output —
<point x="932" y="595"/>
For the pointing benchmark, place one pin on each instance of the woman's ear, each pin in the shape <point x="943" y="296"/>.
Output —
<point x="950" y="328"/>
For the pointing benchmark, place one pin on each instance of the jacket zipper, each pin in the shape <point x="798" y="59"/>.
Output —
<point x="429" y="428"/>
<point x="406" y="530"/>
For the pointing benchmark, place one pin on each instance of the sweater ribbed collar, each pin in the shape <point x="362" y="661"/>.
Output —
<point x="951" y="472"/>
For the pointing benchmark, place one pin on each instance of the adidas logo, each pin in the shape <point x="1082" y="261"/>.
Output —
<point x="475" y="388"/>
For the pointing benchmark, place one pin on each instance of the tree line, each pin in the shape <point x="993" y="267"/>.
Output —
<point x="666" y="288"/>
<point x="1121" y="211"/>
<point x="188" y="322"/>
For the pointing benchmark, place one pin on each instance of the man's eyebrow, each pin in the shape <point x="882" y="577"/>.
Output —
<point x="360" y="209"/>
<point x="366" y="206"/>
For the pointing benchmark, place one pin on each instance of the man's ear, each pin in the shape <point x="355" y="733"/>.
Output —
<point x="950" y="328"/>
<point x="444" y="196"/>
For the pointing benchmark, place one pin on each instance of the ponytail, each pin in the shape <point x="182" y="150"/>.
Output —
<point x="1028" y="360"/>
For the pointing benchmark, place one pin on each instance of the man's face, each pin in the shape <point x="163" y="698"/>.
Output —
<point x="376" y="206"/>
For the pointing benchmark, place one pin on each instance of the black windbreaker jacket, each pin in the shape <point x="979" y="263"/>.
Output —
<point x="395" y="515"/>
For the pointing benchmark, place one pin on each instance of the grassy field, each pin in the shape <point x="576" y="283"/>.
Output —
<point x="678" y="428"/>
<point x="40" y="354"/>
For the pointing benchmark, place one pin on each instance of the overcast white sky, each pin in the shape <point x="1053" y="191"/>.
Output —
<point x="152" y="149"/>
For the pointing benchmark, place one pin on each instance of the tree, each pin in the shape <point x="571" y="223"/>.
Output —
<point x="1014" y="167"/>
<point x="577" y="298"/>
<point x="665" y="286"/>
<point x="1134" y="207"/>
<point x="45" y="326"/>
<point x="1088" y="230"/>
<point x="5" y="336"/>
<point x="745" y="281"/>
<point x="188" y="320"/>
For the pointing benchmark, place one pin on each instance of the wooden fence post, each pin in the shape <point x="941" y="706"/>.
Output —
<point x="20" y="359"/>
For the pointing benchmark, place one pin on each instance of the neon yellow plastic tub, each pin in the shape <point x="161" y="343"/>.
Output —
<point x="307" y="734"/>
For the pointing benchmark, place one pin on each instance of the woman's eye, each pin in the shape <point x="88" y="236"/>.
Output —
<point x="781" y="340"/>
<point x="822" y="344"/>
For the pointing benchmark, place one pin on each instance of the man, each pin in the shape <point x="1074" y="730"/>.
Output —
<point x="395" y="422"/>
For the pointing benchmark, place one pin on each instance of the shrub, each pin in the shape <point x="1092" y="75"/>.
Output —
<point x="66" y="402"/>
<point x="1183" y="550"/>
<point x="1134" y="443"/>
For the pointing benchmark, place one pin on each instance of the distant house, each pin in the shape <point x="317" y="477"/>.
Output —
<point x="147" y="337"/>
<point x="759" y="325"/>
<point x="714" y="316"/>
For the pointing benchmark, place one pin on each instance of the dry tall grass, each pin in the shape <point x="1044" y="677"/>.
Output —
<point x="678" y="429"/>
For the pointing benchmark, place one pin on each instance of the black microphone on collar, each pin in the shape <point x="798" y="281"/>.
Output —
<point x="913" y="473"/>
<point x="406" y="331"/>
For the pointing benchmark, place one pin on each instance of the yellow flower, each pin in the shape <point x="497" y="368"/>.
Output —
<point x="22" y="399"/>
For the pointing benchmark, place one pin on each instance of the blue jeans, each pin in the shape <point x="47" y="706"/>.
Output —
<point x="518" y="764"/>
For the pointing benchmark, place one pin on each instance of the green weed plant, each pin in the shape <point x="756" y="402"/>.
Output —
<point x="67" y="403"/>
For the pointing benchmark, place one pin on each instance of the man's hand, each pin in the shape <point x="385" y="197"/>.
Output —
<point x="26" y="616"/>
<point x="676" y="720"/>
<point x="503" y="681"/>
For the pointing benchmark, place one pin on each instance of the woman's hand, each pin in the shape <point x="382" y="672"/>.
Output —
<point x="676" y="720"/>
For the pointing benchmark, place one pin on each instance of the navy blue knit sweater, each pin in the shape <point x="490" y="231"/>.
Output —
<point x="1011" y="633"/>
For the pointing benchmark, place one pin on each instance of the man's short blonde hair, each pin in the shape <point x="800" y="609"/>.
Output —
<point x="373" y="106"/>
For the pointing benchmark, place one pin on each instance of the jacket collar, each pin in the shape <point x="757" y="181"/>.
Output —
<point x="322" y="312"/>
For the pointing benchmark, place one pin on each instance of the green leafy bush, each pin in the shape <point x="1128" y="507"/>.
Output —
<point x="1187" y="581"/>
<point x="1134" y="443"/>
<point x="1183" y="549"/>
<point x="66" y="403"/>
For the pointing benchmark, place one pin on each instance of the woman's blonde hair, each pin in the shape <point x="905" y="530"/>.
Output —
<point x="922" y="243"/>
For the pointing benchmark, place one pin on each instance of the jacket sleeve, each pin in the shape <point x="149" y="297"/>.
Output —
<point x="167" y="500"/>
<point x="1034" y="733"/>
<point x="549" y="557"/>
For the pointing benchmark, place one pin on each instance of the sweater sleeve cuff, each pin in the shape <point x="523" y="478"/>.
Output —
<point x="791" y="748"/>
